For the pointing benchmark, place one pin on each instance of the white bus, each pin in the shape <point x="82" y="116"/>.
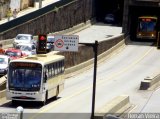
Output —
<point x="35" y="78"/>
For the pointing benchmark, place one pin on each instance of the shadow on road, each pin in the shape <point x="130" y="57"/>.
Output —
<point x="28" y="104"/>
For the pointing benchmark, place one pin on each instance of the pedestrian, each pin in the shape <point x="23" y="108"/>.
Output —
<point x="2" y="51"/>
<point x="9" y="14"/>
<point x="15" y="12"/>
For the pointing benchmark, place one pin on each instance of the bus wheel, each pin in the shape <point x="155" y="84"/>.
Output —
<point x="45" y="100"/>
<point x="57" y="92"/>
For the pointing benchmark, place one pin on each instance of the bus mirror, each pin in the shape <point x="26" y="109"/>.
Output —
<point x="45" y="78"/>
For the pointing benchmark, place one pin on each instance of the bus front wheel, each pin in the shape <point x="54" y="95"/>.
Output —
<point x="45" y="100"/>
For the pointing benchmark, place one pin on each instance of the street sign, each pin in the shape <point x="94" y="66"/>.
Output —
<point x="66" y="43"/>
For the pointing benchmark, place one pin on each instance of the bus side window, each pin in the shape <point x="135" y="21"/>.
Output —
<point x="55" y="68"/>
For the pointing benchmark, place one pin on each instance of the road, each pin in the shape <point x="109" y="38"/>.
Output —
<point x="119" y="75"/>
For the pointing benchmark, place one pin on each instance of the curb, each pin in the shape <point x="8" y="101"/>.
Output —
<point x="116" y="107"/>
<point x="150" y="82"/>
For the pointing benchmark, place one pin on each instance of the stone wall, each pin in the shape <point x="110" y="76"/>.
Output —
<point x="58" y="19"/>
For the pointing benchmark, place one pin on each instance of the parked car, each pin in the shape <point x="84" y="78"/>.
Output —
<point x="4" y="61"/>
<point x="14" y="53"/>
<point x="23" y="38"/>
<point x="27" y="49"/>
<point x="109" y="18"/>
<point x="50" y="43"/>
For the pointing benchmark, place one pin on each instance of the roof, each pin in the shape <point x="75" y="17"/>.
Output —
<point x="50" y="36"/>
<point x="4" y="56"/>
<point x="41" y="58"/>
<point x="26" y="44"/>
<point x="25" y="34"/>
<point x="152" y="17"/>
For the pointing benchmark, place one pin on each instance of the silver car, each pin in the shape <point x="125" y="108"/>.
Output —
<point x="23" y="38"/>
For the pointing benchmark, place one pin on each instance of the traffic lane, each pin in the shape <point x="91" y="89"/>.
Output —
<point x="91" y="75"/>
<point x="139" y="97"/>
<point x="117" y="81"/>
<point x="126" y="82"/>
<point x="71" y="98"/>
<point x="118" y="60"/>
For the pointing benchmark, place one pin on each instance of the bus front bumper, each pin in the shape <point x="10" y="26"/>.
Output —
<point x="25" y="96"/>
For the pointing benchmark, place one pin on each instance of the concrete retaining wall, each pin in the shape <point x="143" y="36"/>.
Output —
<point x="116" y="107"/>
<point x="150" y="81"/>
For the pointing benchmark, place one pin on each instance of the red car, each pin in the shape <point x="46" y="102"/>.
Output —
<point x="14" y="53"/>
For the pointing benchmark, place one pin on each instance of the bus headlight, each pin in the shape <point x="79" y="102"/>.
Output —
<point x="152" y="35"/>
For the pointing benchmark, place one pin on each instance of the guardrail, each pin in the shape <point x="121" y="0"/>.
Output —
<point x="150" y="81"/>
<point x="115" y="107"/>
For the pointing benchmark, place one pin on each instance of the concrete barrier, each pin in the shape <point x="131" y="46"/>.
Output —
<point x="150" y="81"/>
<point x="116" y="107"/>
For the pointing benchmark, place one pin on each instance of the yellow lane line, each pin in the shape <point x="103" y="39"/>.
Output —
<point x="52" y="105"/>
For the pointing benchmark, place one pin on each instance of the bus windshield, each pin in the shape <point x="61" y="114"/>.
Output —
<point x="147" y="26"/>
<point x="24" y="77"/>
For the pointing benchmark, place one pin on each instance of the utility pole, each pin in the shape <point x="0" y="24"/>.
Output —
<point x="95" y="49"/>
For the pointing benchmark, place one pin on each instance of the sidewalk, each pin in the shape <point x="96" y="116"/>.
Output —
<point x="30" y="9"/>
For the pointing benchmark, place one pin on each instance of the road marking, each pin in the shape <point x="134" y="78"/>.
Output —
<point x="52" y="105"/>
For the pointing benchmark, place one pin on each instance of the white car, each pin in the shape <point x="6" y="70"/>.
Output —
<point x="27" y="49"/>
<point x="4" y="61"/>
<point x="50" y="43"/>
<point x="109" y="18"/>
<point x="23" y="38"/>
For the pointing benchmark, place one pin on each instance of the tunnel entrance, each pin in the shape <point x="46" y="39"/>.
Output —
<point x="104" y="7"/>
<point x="137" y="11"/>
